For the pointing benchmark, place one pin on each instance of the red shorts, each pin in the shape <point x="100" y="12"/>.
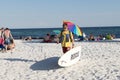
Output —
<point x="65" y="49"/>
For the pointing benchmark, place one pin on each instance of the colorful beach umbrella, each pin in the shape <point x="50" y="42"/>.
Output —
<point x="74" y="28"/>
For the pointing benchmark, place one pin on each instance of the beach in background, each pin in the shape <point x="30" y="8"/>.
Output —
<point x="33" y="60"/>
<point x="36" y="27"/>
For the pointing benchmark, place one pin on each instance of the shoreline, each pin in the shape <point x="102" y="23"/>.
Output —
<point x="76" y="40"/>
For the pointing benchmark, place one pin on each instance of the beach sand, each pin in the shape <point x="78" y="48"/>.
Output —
<point x="32" y="60"/>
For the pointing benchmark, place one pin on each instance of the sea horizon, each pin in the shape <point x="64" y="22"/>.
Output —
<point x="59" y="27"/>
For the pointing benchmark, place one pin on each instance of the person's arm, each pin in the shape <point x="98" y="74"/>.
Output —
<point x="2" y="35"/>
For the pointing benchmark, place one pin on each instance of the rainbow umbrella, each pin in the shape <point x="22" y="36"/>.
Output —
<point x="74" y="28"/>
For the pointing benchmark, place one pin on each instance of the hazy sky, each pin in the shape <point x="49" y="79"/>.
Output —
<point x="51" y="13"/>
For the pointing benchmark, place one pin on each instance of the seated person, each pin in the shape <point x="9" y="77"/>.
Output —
<point x="29" y="38"/>
<point x="47" y="38"/>
<point x="109" y="37"/>
<point x="100" y="37"/>
<point x="91" y="38"/>
<point x="56" y="39"/>
<point x="11" y="46"/>
<point x="7" y="38"/>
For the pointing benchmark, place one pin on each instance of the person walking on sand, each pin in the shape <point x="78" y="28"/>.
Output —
<point x="7" y="38"/>
<point x="66" y="39"/>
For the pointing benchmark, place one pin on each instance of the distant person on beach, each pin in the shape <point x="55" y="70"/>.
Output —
<point x="66" y="39"/>
<point x="113" y="36"/>
<point x="8" y="38"/>
<point x="29" y="38"/>
<point x="100" y="37"/>
<point x="91" y="37"/>
<point x="110" y="36"/>
<point x="47" y="38"/>
<point x="56" y="39"/>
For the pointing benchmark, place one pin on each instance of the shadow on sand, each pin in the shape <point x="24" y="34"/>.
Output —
<point x="46" y="64"/>
<point x="17" y="59"/>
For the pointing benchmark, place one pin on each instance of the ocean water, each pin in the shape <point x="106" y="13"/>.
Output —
<point x="41" y="32"/>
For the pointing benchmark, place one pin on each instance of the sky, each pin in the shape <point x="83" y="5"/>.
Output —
<point x="51" y="13"/>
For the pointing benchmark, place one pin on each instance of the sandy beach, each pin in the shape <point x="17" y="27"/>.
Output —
<point x="32" y="60"/>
